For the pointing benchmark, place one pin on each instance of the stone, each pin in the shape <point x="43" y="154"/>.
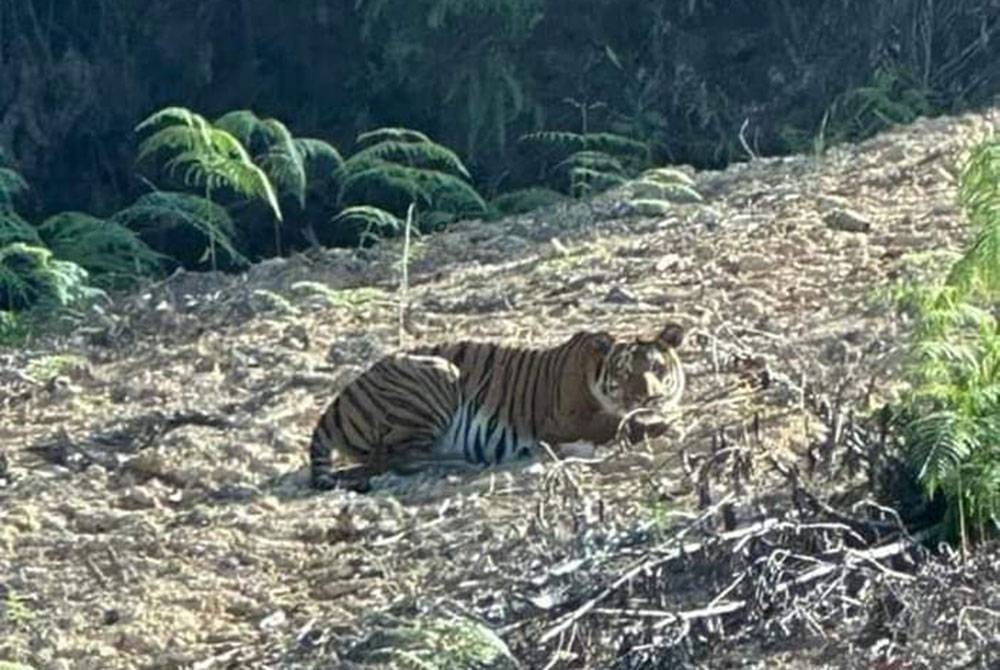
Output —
<point x="847" y="220"/>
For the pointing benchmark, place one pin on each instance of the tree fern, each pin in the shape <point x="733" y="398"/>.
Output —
<point x="30" y="275"/>
<point x="163" y="210"/>
<point x="112" y="254"/>
<point x="209" y="157"/>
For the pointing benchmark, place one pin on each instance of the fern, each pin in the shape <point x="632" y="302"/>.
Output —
<point x="15" y="229"/>
<point x="290" y="162"/>
<point x="213" y="158"/>
<point x="979" y="192"/>
<point x="414" y="154"/>
<point x="953" y="405"/>
<point x="113" y="254"/>
<point x="30" y="275"/>
<point x="12" y="185"/>
<point x="163" y="210"/>
<point x="373" y="221"/>
<point x="400" y="166"/>
<point x="525" y="200"/>
<point x="593" y="162"/>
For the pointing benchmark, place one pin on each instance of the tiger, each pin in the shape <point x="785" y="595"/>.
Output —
<point x="481" y="403"/>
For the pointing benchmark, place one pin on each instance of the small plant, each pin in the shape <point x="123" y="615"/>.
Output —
<point x="893" y="96"/>
<point x="394" y="168"/>
<point x="160" y="212"/>
<point x="30" y="275"/>
<point x="951" y="413"/>
<point x="441" y="642"/>
<point x="525" y="200"/>
<point x="592" y="162"/>
<point x="112" y="253"/>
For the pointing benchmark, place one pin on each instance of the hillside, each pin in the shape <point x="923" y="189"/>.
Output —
<point x="154" y="509"/>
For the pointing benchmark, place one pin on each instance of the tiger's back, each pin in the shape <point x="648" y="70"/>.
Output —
<point x="484" y="403"/>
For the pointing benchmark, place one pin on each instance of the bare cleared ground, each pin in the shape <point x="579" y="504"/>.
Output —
<point x="154" y="512"/>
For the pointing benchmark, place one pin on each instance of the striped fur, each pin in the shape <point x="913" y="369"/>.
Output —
<point x="483" y="403"/>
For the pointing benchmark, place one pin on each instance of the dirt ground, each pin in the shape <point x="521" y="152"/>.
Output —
<point x="154" y="511"/>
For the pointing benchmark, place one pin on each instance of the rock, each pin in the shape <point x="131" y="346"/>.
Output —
<point x="847" y="220"/>
<point x="620" y="296"/>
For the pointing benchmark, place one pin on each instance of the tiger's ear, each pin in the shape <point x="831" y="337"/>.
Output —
<point x="602" y="343"/>
<point x="671" y="337"/>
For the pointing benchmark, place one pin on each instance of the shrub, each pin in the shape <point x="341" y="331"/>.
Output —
<point x="951" y="414"/>
<point x="30" y="276"/>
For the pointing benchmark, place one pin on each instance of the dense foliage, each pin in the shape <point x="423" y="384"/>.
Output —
<point x="684" y="78"/>
<point x="951" y="415"/>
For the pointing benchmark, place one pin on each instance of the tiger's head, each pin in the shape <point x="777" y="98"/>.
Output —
<point x="644" y="372"/>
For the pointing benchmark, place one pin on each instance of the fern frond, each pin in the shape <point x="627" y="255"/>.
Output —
<point x="414" y="154"/>
<point x="321" y="158"/>
<point x="939" y="442"/>
<point x="393" y="134"/>
<point x="174" y="114"/>
<point x="30" y="275"/>
<point x="12" y="184"/>
<point x="15" y="229"/>
<point x="110" y="252"/>
<point x="372" y="217"/>
<point x="664" y="175"/>
<point x="526" y="200"/>
<point x="165" y="210"/>
<point x="676" y="192"/>
<point x="597" y="161"/>
<point x="591" y="178"/>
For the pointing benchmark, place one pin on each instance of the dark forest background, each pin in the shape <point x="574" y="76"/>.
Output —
<point x="76" y="76"/>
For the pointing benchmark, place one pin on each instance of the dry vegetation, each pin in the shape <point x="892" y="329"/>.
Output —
<point x="154" y="509"/>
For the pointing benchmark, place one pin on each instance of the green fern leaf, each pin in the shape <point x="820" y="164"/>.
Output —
<point x="12" y="185"/>
<point x="30" y="275"/>
<point x="526" y="200"/>
<point x="393" y="134"/>
<point x="164" y="210"/>
<point x="15" y="229"/>
<point x="110" y="252"/>
<point x="414" y="154"/>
